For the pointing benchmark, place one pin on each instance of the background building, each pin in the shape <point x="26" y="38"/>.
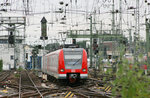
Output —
<point x="8" y="52"/>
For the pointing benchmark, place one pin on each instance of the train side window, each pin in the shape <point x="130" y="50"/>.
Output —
<point x="51" y="61"/>
<point x="55" y="60"/>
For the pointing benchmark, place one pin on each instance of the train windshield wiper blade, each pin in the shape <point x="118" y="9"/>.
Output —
<point x="77" y="61"/>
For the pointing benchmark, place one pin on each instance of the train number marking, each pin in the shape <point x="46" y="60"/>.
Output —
<point x="73" y="70"/>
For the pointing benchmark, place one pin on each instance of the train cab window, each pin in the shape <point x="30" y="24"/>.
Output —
<point x="73" y="59"/>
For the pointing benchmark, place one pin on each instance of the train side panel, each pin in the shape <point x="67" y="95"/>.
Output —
<point x="44" y="68"/>
<point x="50" y="66"/>
<point x="61" y="75"/>
<point x="84" y="74"/>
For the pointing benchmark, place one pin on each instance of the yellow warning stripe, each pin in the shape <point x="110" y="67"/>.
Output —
<point x="107" y="88"/>
<point x="67" y="95"/>
<point x="71" y="95"/>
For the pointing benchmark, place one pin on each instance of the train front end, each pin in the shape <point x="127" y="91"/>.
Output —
<point x="73" y="64"/>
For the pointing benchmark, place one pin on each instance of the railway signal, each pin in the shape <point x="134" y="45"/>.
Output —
<point x="95" y="46"/>
<point x="11" y="38"/>
<point x="74" y="41"/>
<point x="44" y="29"/>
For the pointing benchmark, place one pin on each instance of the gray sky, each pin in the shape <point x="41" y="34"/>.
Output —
<point x="77" y="13"/>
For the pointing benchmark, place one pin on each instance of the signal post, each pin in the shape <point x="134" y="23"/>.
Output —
<point x="44" y="37"/>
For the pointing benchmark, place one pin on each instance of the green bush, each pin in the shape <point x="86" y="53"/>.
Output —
<point x="1" y="65"/>
<point x="17" y="75"/>
<point x="20" y="68"/>
<point x="130" y="83"/>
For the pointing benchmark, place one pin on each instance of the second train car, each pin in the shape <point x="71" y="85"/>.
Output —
<point x="67" y="64"/>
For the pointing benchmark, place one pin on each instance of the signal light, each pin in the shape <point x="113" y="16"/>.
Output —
<point x="11" y="39"/>
<point x="95" y="52"/>
<point x="94" y="41"/>
<point x="74" y="41"/>
<point x="95" y="46"/>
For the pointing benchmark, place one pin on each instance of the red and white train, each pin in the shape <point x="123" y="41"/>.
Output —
<point x="66" y="63"/>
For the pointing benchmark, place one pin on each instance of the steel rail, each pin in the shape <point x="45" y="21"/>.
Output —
<point x="5" y="75"/>
<point x="35" y="93"/>
<point x="2" y="73"/>
<point x="20" y="86"/>
<point x="34" y="85"/>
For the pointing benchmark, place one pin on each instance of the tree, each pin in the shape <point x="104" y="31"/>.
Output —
<point x="52" y="47"/>
<point x="82" y="44"/>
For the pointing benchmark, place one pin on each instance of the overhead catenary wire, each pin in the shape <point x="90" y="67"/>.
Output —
<point x="70" y="11"/>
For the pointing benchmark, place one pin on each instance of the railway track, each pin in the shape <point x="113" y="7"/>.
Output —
<point x="27" y="88"/>
<point x="84" y="90"/>
<point x="4" y="75"/>
<point x="26" y="80"/>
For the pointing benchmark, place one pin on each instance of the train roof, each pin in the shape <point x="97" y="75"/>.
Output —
<point x="65" y="49"/>
<point x="57" y="51"/>
<point x="75" y="49"/>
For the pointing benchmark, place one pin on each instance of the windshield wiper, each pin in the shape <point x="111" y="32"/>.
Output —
<point x="77" y="61"/>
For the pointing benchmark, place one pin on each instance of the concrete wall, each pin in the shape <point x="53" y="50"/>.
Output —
<point x="7" y="55"/>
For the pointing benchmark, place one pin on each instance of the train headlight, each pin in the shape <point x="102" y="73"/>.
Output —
<point x="62" y="70"/>
<point x="83" y="70"/>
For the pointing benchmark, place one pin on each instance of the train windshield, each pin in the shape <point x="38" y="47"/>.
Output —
<point x="73" y="59"/>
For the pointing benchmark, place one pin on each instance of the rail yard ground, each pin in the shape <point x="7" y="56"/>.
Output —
<point x="26" y="84"/>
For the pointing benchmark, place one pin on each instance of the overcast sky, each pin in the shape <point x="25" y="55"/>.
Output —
<point x="77" y="13"/>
